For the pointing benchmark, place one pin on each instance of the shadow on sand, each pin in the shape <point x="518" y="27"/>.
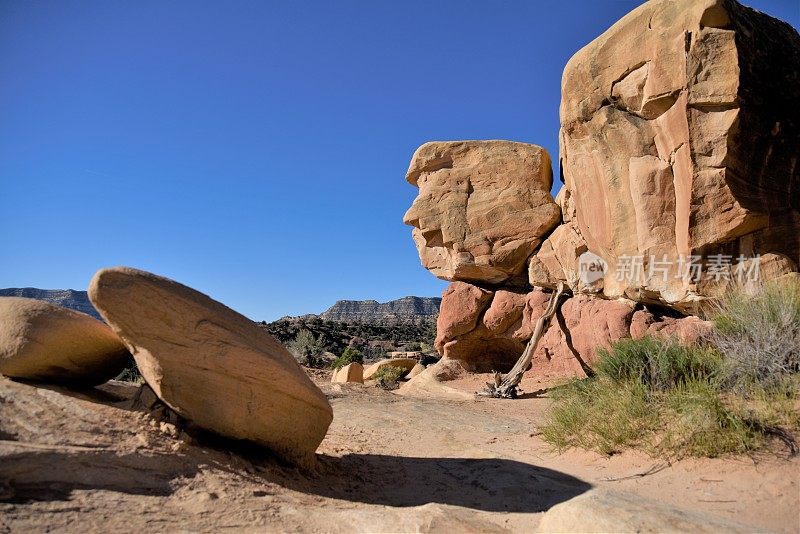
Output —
<point x="487" y="484"/>
<point x="51" y="472"/>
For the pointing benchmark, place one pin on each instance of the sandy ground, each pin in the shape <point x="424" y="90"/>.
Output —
<point x="88" y="462"/>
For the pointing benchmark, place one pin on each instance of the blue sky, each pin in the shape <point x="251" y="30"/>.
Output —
<point x="256" y="150"/>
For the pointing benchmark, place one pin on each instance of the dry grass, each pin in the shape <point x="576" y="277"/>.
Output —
<point x="669" y="400"/>
<point x="388" y="377"/>
<point x="759" y="337"/>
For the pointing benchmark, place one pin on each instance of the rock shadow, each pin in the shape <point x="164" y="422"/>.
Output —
<point x="487" y="484"/>
<point x="51" y="474"/>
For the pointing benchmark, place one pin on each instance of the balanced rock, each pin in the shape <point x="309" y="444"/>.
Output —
<point x="42" y="341"/>
<point x="483" y="208"/>
<point x="680" y="136"/>
<point x="352" y="372"/>
<point x="406" y="364"/>
<point x="212" y="365"/>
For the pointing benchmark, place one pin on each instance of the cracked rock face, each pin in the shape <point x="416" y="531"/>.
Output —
<point x="488" y="330"/>
<point x="483" y="208"/>
<point x="680" y="135"/>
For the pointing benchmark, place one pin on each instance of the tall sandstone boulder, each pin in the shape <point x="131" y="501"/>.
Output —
<point x="212" y="365"/>
<point x="680" y="136"/>
<point x="483" y="208"/>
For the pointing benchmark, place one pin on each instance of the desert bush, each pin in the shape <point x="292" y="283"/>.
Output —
<point x="388" y="377"/>
<point x="131" y="374"/>
<point x="667" y="399"/>
<point x="306" y="348"/>
<point x="599" y="414"/>
<point x="696" y="421"/>
<point x="350" y="355"/>
<point x="759" y="336"/>
<point x="658" y="364"/>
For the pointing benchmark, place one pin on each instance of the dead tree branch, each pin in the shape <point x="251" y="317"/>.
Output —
<point x="506" y="386"/>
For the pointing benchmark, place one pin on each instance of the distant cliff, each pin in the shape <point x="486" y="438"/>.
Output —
<point x="406" y="309"/>
<point x="68" y="298"/>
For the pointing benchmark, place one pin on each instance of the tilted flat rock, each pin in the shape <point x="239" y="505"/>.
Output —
<point x="212" y="365"/>
<point x="601" y="510"/>
<point x="680" y="134"/>
<point x="42" y="341"/>
<point x="483" y="208"/>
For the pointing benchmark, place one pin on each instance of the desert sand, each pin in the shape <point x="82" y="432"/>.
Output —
<point x="88" y="461"/>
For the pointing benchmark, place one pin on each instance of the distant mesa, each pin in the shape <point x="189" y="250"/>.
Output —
<point x="403" y="310"/>
<point x="406" y="309"/>
<point x="67" y="298"/>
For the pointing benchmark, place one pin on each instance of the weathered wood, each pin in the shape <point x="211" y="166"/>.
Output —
<point x="506" y="386"/>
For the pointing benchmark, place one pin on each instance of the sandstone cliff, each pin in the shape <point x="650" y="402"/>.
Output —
<point x="679" y="143"/>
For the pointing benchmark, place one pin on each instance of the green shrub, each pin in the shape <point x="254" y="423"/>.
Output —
<point x="759" y="336"/>
<point x="131" y="374"/>
<point x="697" y="420"/>
<point x="599" y="414"/>
<point x="388" y="376"/>
<point x="658" y="364"/>
<point x="350" y="355"/>
<point x="668" y="400"/>
<point x="306" y="348"/>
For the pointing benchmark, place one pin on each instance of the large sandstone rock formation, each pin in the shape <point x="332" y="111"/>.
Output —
<point x="679" y="149"/>
<point x="483" y="208"/>
<point x="680" y="136"/>
<point x="211" y="365"/>
<point x="407" y="364"/>
<point x="42" y="341"/>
